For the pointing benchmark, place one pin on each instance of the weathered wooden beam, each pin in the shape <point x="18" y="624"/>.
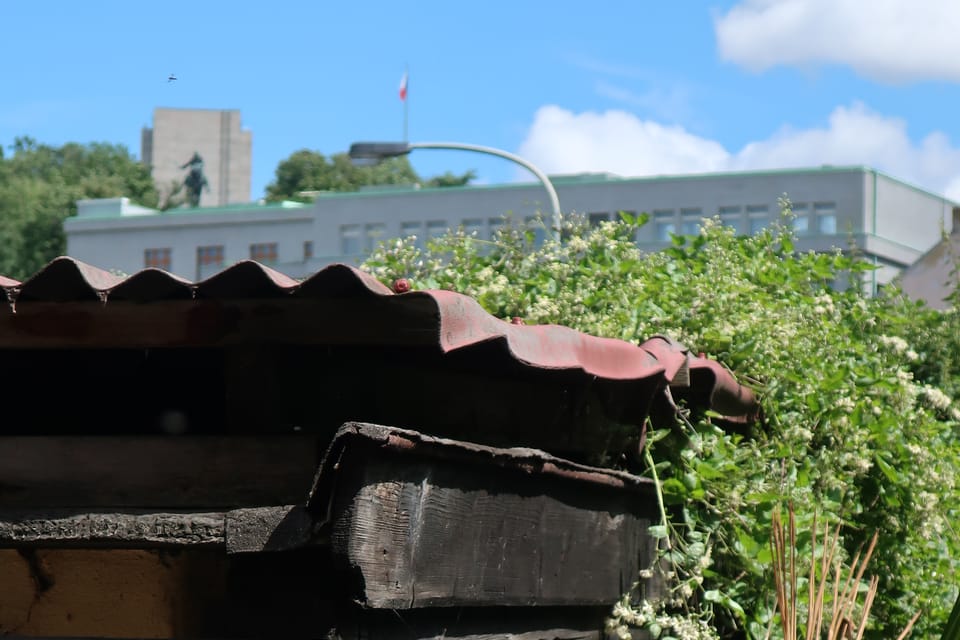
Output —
<point x="251" y="530"/>
<point x="438" y="524"/>
<point x="144" y="472"/>
<point x="270" y="529"/>
<point x="115" y="530"/>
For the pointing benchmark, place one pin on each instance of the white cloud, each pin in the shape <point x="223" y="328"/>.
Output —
<point x="564" y="142"/>
<point x="560" y="141"/>
<point x="889" y="40"/>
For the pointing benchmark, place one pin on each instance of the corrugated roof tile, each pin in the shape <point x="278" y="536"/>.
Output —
<point x="151" y="285"/>
<point x="246" y="279"/>
<point x="457" y="321"/>
<point x="67" y="280"/>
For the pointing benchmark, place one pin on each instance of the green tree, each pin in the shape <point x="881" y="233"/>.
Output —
<point x="305" y="171"/>
<point x="40" y="185"/>
<point x="450" y="179"/>
<point x="859" y="425"/>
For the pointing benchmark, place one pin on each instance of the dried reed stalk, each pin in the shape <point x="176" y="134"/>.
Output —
<point x="845" y="621"/>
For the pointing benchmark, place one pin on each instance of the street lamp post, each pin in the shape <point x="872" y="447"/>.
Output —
<point x="376" y="151"/>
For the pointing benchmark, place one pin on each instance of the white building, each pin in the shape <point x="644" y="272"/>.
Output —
<point x="892" y="223"/>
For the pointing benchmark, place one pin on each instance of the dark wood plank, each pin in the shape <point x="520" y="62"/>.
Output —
<point x="268" y="529"/>
<point x="173" y="472"/>
<point x="113" y="530"/>
<point x="419" y="533"/>
<point x="249" y="530"/>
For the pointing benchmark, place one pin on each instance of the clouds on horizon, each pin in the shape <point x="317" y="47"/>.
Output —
<point x="560" y="141"/>
<point x="888" y="40"/>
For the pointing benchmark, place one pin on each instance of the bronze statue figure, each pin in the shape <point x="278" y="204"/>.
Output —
<point x="195" y="182"/>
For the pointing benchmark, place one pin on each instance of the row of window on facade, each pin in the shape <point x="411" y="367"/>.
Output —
<point x="818" y="217"/>
<point x="808" y="218"/>
<point x="213" y="255"/>
<point x="357" y="240"/>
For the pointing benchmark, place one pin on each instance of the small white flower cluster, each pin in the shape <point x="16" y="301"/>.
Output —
<point x="578" y="244"/>
<point x="823" y="305"/>
<point x="899" y="347"/>
<point x="658" y="624"/>
<point x="935" y="398"/>
<point x="846" y="403"/>
<point x="542" y="311"/>
<point x="895" y="343"/>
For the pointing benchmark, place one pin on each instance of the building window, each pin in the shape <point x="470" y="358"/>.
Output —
<point x="156" y="259"/>
<point x="210" y="256"/>
<point x="496" y="226"/>
<point x="265" y="252"/>
<point x="307" y="249"/>
<point x="732" y="216"/>
<point x="473" y="228"/>
<point x="826" y="213"/>
<point x="664" y="224"/>
<point x="690" y="221"/>
<point x="374" y="234"/>
<point x="436" y="228"/>
<point x="350" y="240"/>
<point x="801" y="217"/>
<point x="757" y="217"/>
<point x="412" y="230"/>
<point x="596" y="218"/>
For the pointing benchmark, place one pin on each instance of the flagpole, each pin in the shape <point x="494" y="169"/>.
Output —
<point x="406" y="77"/>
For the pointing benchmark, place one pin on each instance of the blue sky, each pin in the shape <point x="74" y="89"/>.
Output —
<point x="634" y="88"/>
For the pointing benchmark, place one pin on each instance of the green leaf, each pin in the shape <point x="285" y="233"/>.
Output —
<point x="886" y="468"/>
<point x="658" y="531"/>
<point x="657" y="435"/>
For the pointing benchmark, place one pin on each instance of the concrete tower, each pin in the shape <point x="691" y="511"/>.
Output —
<point x="219" y="140"/>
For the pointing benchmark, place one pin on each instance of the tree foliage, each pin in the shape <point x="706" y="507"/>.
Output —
<point x="39" y="188"/>
<point x="450" y="179"/>
<point x="859" y="429"/>
<point x="307" y="171"/>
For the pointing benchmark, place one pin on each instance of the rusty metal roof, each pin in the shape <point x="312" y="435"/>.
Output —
<point x="72" y="304"/>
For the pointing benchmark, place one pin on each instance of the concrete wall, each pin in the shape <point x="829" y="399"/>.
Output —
<point x="909" y="216"/>
<point x="931" y="277"/>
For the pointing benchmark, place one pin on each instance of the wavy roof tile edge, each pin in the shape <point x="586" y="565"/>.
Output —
<point x="462" y="321"/>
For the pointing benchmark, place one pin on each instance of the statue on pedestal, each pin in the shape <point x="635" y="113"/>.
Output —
<point x="195" y="182"/>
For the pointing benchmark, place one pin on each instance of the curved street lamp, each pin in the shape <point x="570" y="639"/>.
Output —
<point x="373" y="152"/>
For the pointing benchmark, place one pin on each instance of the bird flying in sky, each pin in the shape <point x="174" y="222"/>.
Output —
<point x="171" y="78"/>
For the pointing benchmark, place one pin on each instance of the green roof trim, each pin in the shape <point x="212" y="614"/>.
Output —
<point x="609" y="178"/>
<point x="234" y="208"/>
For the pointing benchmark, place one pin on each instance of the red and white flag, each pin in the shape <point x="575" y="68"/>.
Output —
<point x="403" y="86"/>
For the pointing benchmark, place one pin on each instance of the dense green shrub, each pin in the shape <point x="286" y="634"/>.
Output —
<point x="858" y="422"/>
